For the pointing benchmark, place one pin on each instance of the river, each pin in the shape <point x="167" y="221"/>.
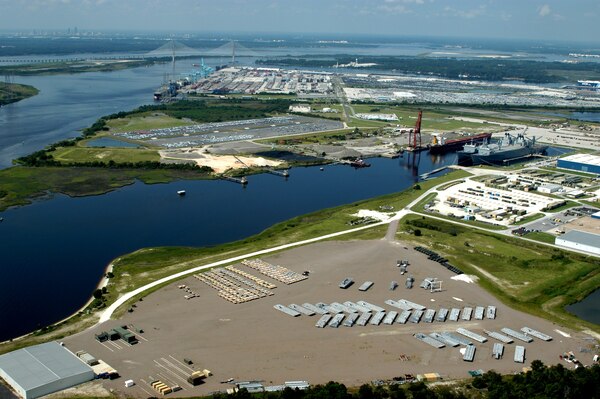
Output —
<point x="55" y="251"/>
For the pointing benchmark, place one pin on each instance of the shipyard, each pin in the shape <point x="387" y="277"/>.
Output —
<point x="299" y="200"/>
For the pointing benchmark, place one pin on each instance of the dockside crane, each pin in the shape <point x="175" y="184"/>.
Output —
<point x="414" y="140"/>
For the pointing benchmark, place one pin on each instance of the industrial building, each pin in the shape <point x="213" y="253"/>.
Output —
<point x="583" y="162"/>
<point x="580" y="241"/>
<point x="42" y="369"/>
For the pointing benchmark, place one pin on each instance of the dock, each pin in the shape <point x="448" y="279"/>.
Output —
<point x="243" y="181"/>
<point x="433" y="172"/>
<point x="280" y="173"/>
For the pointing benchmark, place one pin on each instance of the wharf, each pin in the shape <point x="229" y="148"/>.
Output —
<point x="243" y="181"/>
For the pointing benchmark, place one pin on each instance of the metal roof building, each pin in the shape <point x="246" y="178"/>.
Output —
<point x="42" y="369"/>
<point x="583" y="162"/>
<point x="580" y="241"/>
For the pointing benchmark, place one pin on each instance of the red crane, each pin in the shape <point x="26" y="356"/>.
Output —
<point x="414" y="140"/>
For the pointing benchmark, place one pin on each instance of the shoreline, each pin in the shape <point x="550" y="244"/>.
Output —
<point x="104" y="281"/>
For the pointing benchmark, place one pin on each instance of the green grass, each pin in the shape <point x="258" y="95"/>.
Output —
<point x="567" y="205"/>
<point x="436" y="120"/>
<point x="21" y="185"/>
<point x="13" y="92"/>
<point x="542" y="237"/>
<point x="530" y="218"/>
<point x="144" y="121"/>
<point x="63" y="67"/>
<point x="78" y="154"/>
<point x="569" y="172"/>
<point x="146" y="265"/>
<point x="526" y="276"/>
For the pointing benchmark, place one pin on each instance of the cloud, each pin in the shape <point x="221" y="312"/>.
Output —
<point x="544" y="10"/>
<point x="468" y="14"/>
<point x="405" y="1"/>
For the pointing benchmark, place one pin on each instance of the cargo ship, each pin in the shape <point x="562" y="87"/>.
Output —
<point x="500" y="152"/>
<point x="440" y="145"/>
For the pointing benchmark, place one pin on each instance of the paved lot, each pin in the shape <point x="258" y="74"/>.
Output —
<point x="253" y="341"/>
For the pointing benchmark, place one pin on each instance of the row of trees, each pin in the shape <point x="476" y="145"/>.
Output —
<point x="541" y="382"/>
<point x="492" y="70"/>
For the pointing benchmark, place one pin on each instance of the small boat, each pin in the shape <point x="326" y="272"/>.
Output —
<point x="321" y="169"/>
<point x="359" y="163"/>
<point x="181" y="192"/>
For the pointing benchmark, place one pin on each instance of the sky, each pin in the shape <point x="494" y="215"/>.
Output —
<point x="569" y="20"/>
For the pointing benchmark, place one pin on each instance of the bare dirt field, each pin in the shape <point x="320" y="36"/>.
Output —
<point x="219" y="163"/>
<point x="253" y="341"/>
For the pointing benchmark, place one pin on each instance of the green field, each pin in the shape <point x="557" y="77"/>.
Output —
<point x="77" y="154"/>
<point x="144" y="121"/>
<point x="146" y="265"/>
<point x="21" y="185"/>
<point x="61" y="67"/>
<point x="526" y="276"/>
<point x="13" y="92"/>
<point x="541" y="237"/>
<point x="432" y="120"/>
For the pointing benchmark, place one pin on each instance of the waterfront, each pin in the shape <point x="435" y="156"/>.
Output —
<point x="588" y="309"/>
<point x="56" y="250"/>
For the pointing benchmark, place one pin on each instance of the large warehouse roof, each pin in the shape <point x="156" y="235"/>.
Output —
<point x="582" y="237"/>
<point x="587" y="159"/>
<point x="40" y="365"/>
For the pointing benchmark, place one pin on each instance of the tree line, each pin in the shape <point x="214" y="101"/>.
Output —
<point x="541" y="382"/>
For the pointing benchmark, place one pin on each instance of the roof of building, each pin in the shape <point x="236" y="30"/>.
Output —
<point x="583" y="158"/>
<point x="39" y="365"/>
<point x="582" y="237"/>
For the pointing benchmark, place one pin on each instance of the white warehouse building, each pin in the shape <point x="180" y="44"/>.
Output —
<point x="580" y="241"/>
<point x="42" y="369"/>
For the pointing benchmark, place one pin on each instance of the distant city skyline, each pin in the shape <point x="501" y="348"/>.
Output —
<point x="575" y="20"/>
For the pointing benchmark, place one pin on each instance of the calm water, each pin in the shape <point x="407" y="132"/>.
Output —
<point x="578" y="116"/>
<point x="55" y="251"/>
<point x="108" y="142"/>
<point x="589" y="308"/>
<point x="68" y="103"/>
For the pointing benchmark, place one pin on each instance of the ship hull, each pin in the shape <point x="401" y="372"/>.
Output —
<point x="500" y="157"/>
<point x="457" y="144"/>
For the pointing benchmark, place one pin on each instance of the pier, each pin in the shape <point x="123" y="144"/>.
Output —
<point x="425" y="176"/>
<point x="284" y="173"/>
<point x="243" y="181"/>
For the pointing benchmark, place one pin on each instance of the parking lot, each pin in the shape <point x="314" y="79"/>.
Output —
<point x="220" y="132"/>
